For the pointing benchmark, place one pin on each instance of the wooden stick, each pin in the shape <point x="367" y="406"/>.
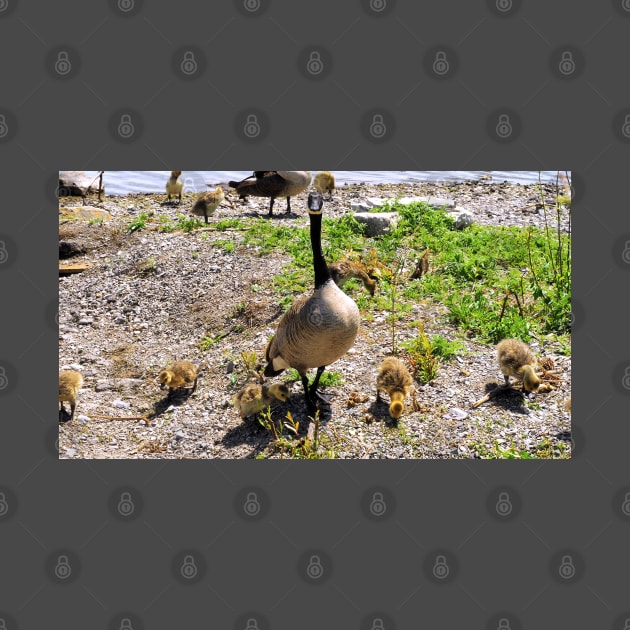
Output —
<point x="147" y="421"/>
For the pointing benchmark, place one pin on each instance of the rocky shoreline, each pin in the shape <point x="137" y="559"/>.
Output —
<point x="150" y="297"/>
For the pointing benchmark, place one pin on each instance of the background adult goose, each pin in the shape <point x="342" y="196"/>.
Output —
<point x="273" y="184"/>
<point x="318" y="328"/>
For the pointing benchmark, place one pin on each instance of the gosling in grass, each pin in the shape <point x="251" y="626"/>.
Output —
<point x="208" y="202"/>
<point x="254" y="397"/>
<point x="393" y="378"/>
<point x="273" y="184"/>
<point x="516" y="359"/>
<point x="344" y="270"/>
<point x="70" y="381"/>
<point x="174" y="185"/>
<point x="323" y="182"/>
<point x="179" y="375"/>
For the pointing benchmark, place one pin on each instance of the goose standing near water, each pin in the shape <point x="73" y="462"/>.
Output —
<point x="273" y="184"/>
<point x="319" y="328"/>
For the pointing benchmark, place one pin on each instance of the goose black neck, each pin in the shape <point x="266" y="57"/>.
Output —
<point x="322" y="274"/>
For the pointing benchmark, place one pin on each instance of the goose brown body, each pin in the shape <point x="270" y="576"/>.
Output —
<point x="273" y="184"/>
<point x="255" y="397"/>
<point x="174" y="185"/>
<point x="179" y="374"/>
<point x="394" y="378"/>
<point x="70" y="381"/>
<point x="318" y="328"/>
<point x="516" y="359"/>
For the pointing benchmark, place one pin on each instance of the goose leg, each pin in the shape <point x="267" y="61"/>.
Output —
<point x="288" y="210"/>
<point x="310" y="403"/>
<point x="271" y="207"/>
<point x="314" y="394"/>
<point x="507" y="381"/>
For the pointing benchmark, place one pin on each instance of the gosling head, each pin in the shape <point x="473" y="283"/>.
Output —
<point x="397" y="405"/>
<point x="279" y="391"/>
<point x="164" y="378"/>
<point x="531" y="382"/>
<point x="176" y="174"/>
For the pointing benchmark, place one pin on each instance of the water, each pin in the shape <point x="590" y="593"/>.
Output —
<point x="125" y="182"/>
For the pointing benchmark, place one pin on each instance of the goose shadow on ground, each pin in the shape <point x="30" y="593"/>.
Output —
<point x="507" y="398"/>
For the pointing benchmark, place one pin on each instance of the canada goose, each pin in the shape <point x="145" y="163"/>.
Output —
<point x="318" y="328"/>
<point x="174" y="185"/>
<point x="208" y="202"/>
<point x="255" y="397"/>
<point x="342" y="271"/>
<point x="179" y="374"/>
<point x="70" y="381"/>
<point x="273" y="184"/>
<point x="393" y="378"/>
<point x="323" y="182"/>
<point x="516" y="359"/>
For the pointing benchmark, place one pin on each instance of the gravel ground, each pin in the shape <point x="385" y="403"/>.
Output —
<point x="149" y="298"/>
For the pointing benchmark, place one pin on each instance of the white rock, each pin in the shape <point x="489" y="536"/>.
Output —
<point x="121" y="404"/>
<point x="377" y="223"/>
<point x="455" y="414"/>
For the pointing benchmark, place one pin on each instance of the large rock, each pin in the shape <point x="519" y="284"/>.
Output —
<point x="377" y="223"/>
<point x="77" y="183"/>
<point x="87" y="213"/>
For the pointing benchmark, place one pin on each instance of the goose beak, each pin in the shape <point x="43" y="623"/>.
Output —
<point x="315" y="201"/>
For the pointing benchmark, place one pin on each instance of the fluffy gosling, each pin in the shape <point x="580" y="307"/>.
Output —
<point x="516" y="359"/>
<point x="70" y="381"/>
<point x="208" y="202"/>
<point x="174" y="185"/>
<point x="323" y="182"/>
<point x="254" y="397"/>
<point x="393" y="378"/>
<point x="179" y="374"/>
<point x="342" y="271"/>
